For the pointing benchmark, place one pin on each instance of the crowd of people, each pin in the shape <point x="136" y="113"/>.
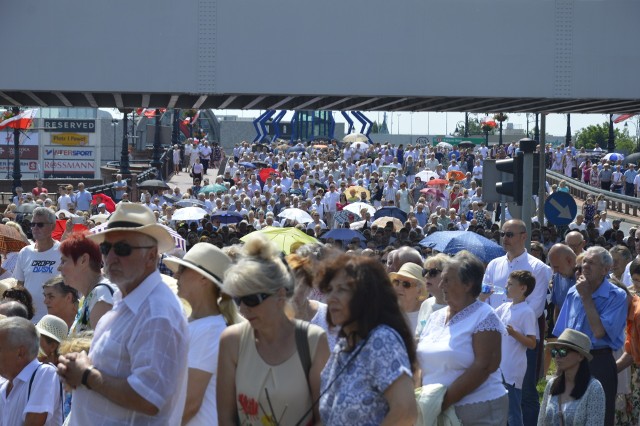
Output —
<point x="123" y="324"/>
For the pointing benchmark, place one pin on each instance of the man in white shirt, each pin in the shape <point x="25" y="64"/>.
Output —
<point x="32" y="393"/>
<point x="330" y="199"/>
<point x="136" y="371"/>
<point x="514" y="237"/>
<point x="83" y="198"/>
<point x="578" y="224"/>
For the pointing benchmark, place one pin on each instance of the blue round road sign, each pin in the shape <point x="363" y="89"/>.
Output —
<point x="560" y="208"/>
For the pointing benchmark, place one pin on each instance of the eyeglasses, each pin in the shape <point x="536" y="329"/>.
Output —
<point x="120" y="248"/>
<point x="431" y="272"/>
<point x="404" y="284"/>
<point x="38" y="224"/>
<point x="252" y="300"/>
<point x="510" y="234"/>
<point x="559" y="353"/>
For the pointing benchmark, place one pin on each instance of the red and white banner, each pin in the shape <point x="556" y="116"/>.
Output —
<point x="149" y="112"/>
<point x="22" y="121"/>
<point x="619" y="118"/>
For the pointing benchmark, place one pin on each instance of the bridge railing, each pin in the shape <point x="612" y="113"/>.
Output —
<point x="616" y="202"/>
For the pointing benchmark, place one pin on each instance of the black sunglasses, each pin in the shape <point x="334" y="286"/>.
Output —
<point x="559" y="353"/>
<point x="38" y="224"/>
<point x="251" y="300"/>
<point x="404" y="284"/>
<point x="431" y="272"/>
<point x="120" y="248"/>
<point x="510" y="234"/>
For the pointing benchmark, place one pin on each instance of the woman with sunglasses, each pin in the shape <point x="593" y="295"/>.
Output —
<point x="573" y="396"/>
<point x="368" y="378"/>
<point x="265" y="374"/>
<point x="81" y="268"/>
<point x="199" y="276"/>
<point x="433" y="267"/>
<point x="409" y="285"/>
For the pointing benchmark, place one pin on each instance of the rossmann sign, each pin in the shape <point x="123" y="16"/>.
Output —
<point x="77" y="126"/>
<point x="57" y="153"/>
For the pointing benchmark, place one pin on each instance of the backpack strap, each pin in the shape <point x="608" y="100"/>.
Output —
<point x="302" y="344"/>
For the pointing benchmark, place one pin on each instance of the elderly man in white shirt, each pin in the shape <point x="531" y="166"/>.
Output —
<point x="31" y="393"/>
<point x="514" y="237"/>
<point x="136" y="371"/>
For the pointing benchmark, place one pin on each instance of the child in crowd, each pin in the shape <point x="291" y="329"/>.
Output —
<point x="520" y="321"/>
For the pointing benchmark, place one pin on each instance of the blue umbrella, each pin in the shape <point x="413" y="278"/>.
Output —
<point x="451" y="242"/>
<point x="296" y="148"/>
<point x="247" y="165"/>
<point x="227" y="217"/>
<point x="344" y="234"/>
<point x="391" y="212"/>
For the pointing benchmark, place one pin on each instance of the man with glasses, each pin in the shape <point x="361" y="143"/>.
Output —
<point x="597" y="308"/>
<point x="514" y="237"/>
<point x="39" y="262"/>
<point x="136" y="371"/>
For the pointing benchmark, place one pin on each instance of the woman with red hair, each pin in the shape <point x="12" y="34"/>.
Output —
<point x="81" y="268"/>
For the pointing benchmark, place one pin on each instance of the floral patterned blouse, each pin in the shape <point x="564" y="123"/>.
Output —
<point x="357" y="395"/>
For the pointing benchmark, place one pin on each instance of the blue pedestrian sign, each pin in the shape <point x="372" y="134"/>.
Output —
<point x="560" y="208"/>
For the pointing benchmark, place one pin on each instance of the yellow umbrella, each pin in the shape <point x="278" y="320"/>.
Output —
<point x="283" y="238"/>
<point x="381" y="222"/>
<point x="358" y="190"/>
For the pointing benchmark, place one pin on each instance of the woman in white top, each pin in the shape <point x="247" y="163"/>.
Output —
<point x="199" y="276"/>
<point x="80" y="267"/>
<point x="304" y="308"/>
<point x="460" y="347"/>
<point x="408" y="284"/>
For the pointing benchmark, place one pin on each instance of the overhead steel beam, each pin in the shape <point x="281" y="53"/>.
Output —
<point x="35" y="98"/>
<point x="309" y="102"/>
<point x="363" y="103"/>
<point x="10" y="99"/>
<point x="200" y="101"/>
<point x="116" y="96"/>
<point x="227" y="102"/>
<point x="145" y="100"/>
<point x="63" y="99"/>
<point x="281" y="102"/>
<point x="255" y="102"/>
<point x="172" y="101"/>
<point x="334" y="103"/>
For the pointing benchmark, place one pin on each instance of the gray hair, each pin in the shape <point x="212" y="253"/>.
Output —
<point x="21" y="332"/>
<point x="259" y="269"/>
<point x="622" y="251"/>
<point x="603" y="254"/>
<point x="470" y="270"/>
<point x="45" y="212"/>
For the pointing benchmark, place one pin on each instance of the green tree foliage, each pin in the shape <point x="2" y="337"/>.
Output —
<point x="374" y="127"/>
<point x="475" y="128"/>
<point x="598" y="134"/>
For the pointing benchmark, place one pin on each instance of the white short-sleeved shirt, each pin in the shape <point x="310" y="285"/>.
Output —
<point x="34" y="268"/>
<point x="143" y="339"/>
<point x="514" y="354"/>
<point x="445" y="349"/>
<point x="204" y="344"/>
<point x="498" y="271"/>
<point x="45" y="395"/>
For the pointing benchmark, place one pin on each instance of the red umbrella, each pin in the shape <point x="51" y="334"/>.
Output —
<point x="109" y="204"/>
<point x="11" y="239"/>
<point x="266" y="172"/>
<point x="456" y="175"/>
<point x="434" y="182"/>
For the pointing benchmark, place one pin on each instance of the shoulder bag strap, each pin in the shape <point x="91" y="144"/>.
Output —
<point x="33" y="376"/>
<point x="302" y="344"/>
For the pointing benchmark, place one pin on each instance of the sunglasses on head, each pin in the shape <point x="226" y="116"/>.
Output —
<point x="509" y="234"/>
<point x="404" y="284"/>
<point x="560" y="352"/>
<point x="38" y="224"/>
<point x="431" y="272"/>
<point x="120" y="248"/>
<point x="251" y="300"/>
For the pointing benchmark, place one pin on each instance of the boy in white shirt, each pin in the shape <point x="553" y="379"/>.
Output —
<point x="520" y="321"/>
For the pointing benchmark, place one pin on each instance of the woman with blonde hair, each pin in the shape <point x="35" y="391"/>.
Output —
<point x="433" y="267"/>
<point x="199" y="274"/>
<point x="409" y="285"/>
<point x="269" y="366"/>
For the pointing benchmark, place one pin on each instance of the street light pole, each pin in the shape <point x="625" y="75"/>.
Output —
<point x="114" y="125"/>
<point x="124" y="153"/>
<point x="17" y="175"/>
<point x="567" y="140"/>
<point x="611" y="144"/>
<point x="466" y="124"/>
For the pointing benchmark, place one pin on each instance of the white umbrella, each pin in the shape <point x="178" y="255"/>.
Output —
<point x="189" y="213"/>
<point x="357" y="225"/>
<point x="358" y="206"/>
<point x="360" y="146"/>
<point x="67" y="214"/>
<point x="355" y="137"/>
<point x="100" y="218"/>
<point x="425" y="175"/>
<point x="445" y="145"/>
<point x="298" y="215"/>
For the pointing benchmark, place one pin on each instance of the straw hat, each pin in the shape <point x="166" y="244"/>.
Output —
<point x="574" y="340"/>
<point x="133" y="217"/>
<point x="204" y="258"/>
<point x="409" y="272"/>
<point x="53" y="327"/>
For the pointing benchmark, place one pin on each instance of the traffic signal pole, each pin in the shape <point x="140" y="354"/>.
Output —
<point x="528" y="147"/>
<point x="542" y="189"/>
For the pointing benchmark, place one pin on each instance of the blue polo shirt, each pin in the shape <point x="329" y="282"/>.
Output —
<point x="611" y="304"/>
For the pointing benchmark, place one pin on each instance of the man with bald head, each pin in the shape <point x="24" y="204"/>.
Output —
<point x="575" y="240"/>
<point x="514" y="237"/>
<point x="562" y="260"/>
<point x="403" y="255"/>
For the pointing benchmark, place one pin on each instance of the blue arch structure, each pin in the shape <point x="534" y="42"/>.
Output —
<point x="276" y="124"/>
<point x="260" y="125"/>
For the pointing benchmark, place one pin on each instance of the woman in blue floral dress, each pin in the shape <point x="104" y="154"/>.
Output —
<point x="368" y="378"/>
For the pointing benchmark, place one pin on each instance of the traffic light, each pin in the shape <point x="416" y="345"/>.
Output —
<point x="512" y="166"/>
